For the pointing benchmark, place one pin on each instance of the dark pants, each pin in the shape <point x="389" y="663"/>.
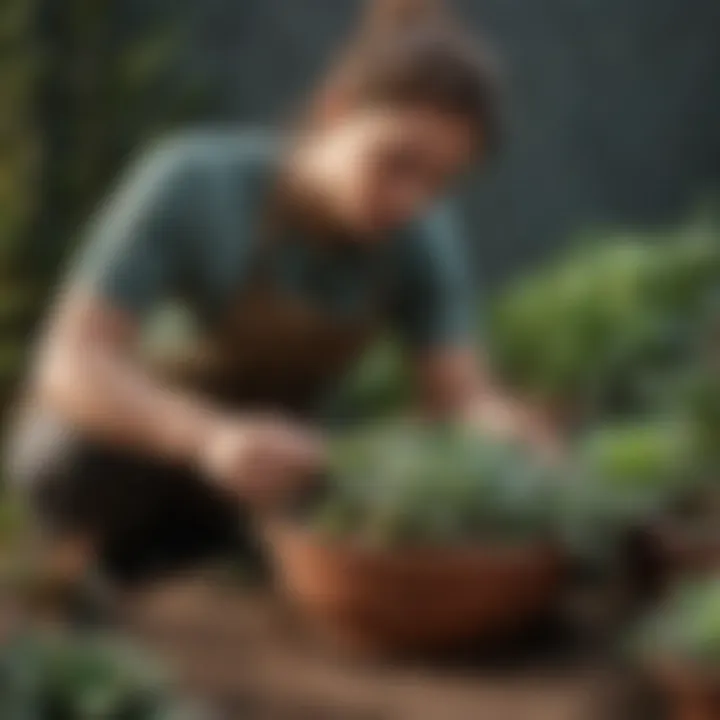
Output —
<point x="144" y="517"/>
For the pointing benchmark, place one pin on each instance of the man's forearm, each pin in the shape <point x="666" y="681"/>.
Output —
<point x="117" y="402"/>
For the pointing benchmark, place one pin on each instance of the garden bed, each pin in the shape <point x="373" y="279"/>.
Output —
<point x="243" y="650"/>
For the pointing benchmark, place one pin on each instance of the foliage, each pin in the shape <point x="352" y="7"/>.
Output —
<point x="704" y="410"/>
<point x="420" y="484"/>
<point x="83" y="677"/>
<point x="377" y="388"/>
<point x="686" y="628"/>
<point x="636" y="456"/>
<point x="623" y="476"/>
<point x="79" y="91"/>
<point x="425" y="485"/>
<point x="19" y="146"/>
<point x="603" y="327"/>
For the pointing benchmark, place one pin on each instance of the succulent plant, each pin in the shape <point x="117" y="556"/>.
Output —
<point x="405" y="483"/>
<point x="605" y="325"/>
<point x="685" y="629"/>
<point x="64" y="676"/>
<point x="623" y="477"/>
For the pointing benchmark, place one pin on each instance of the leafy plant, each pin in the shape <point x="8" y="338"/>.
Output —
<point x="623" y="476"/>
<point x="686" y="628"/>
<point x="641" y="456"/>
<point x="604" y="326"/>
<point x="378" y="387"/>
<point x="86" y="677"/>
<point x="409" y="484"/>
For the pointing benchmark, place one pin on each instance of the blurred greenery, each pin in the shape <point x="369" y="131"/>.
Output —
<point x="58" y="674"/>
<point x="413" y="483"/>
<point x="605" y="330"/>
<point x="79" y="91"/>
<point x="605" y="327"/>
<point x="685" y="630"/>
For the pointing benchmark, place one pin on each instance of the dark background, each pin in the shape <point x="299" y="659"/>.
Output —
<point x="614" y="113"/>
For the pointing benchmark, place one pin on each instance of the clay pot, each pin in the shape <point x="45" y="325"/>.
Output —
<point x="407" y="601"/>
<point x="691" y="694"/>
<point x="667" y="551"/>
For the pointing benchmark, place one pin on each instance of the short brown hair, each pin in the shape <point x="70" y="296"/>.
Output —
<point x="412" y="52"/>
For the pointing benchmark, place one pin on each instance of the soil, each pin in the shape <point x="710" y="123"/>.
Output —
<point x="241" y="649"/>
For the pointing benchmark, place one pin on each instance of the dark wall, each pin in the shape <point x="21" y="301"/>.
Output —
<point x="615" y="103"/>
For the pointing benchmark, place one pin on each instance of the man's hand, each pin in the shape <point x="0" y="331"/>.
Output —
<point x="263" y="460"/>
<point x="506" y="418"/>
<point x="454" y="384"/>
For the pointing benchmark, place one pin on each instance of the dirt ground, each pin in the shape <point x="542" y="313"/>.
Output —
<point x="242" y="649"/>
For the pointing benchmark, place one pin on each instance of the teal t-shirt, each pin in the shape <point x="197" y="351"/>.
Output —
<point x="184" y="223"/>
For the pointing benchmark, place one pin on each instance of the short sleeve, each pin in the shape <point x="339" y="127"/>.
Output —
<point x="433" y="306"/>
<point x="132" y="252"/>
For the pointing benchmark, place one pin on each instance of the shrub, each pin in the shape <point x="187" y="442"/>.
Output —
<point x="685" y="629"/>
<point x="407" y="484"/>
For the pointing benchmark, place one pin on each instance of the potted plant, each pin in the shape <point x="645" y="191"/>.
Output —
<point x="424" y="539"/>
<point x="678" y="646"/>
<point x="596" y="333"/>
<point x="59" y="674"/>
<point x="635" y="482"/>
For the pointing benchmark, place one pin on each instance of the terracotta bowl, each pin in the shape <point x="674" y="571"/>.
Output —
<point x="413" y="600"/>
<point x="691" y="693"/>
<point x="667" y="551"/>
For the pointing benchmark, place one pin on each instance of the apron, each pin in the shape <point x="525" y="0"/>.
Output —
<point x="275" y="350"/>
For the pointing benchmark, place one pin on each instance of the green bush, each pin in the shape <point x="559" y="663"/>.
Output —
<point x="378" y="387"/>
<point x="83" y="677"/>
<point x="413" y="484"/>
<point x="408" y="484"/>
<point x="622" y="477"/>
<point x="642" y="456"/>
<point x="604" y="327"/>
<point x="685" y="629"/>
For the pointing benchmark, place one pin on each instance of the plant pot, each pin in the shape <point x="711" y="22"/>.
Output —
<point x="690" y="693"/>
<point x="668" y="550"/>
<point x="414" y="600"/>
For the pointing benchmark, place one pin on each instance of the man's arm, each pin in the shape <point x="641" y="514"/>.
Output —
<point x="435" y="316"/>
<point x="454" y="384"/>
<point x="86" y="373"/>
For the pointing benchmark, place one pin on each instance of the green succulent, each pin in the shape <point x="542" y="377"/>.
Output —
<point x="606" y="325"/>
<point x="83" y="677"/>
<point x="686" y="628"/>
<point x="624" y="476"/>
<point x="641" y="456"/>
<point x="405" y="483"/>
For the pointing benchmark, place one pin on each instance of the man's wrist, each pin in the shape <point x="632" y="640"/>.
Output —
<point x="188" y="432"/>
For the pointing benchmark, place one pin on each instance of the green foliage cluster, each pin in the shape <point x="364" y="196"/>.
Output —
<point x="635" y="456"/>
<point x="19" y="169"/>
<point x="79" y="90"/>
<point x="412" y="484"/>
<point x="624" y="476"/>
<point x="696" y="397"/>
<point x="377" y="388"/>
<point x="83" y="677"/>
<point x="603" y="328"/>
<point x="685" y="629"/>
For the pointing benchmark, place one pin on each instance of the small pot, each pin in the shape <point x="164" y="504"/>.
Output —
<point x="668" y="550"/>
<point x="413" y="600"/>
<point x="691" y="693"/>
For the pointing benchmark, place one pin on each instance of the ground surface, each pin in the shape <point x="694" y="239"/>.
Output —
<point x="241" y="648"/>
